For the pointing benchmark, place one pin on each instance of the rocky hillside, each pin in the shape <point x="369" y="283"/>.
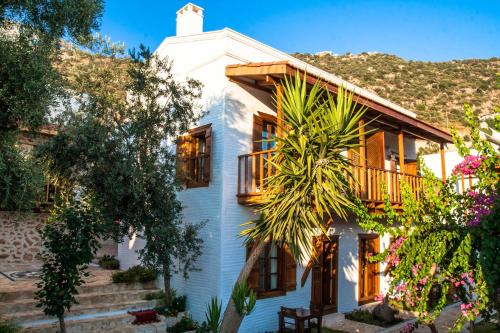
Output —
<point x="436" y="91"/>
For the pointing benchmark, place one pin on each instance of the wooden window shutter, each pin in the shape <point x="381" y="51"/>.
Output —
<point x="257" y="133"/>
<point x="208" y="155"/>
<point x="316" y="274"/>
<point x="253" y="278"/>
<point x="290" y="274"/>
<point x="183" y="152"/>
<point x="375" y="151"/>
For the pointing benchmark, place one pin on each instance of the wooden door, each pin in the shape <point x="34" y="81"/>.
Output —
<point x="375" y="151"/>
<point x="324" y="291"/>
<point x="368" y="283"/>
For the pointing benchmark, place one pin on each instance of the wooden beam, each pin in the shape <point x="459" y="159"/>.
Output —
<point x="401" y="147"/>
<point x="279" y="109"/>
<point x="269" y="81"/>
<point x="443" y="164"/>
<point x="362" y="157"/>
<point x="283" y="68"/>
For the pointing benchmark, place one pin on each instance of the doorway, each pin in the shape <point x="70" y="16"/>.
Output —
<point x="324" y="292"/>
<point x="368" y="271"/>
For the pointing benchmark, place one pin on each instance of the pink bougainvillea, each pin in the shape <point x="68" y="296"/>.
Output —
<point x="392" y="258"/>
<point x="469" y="165"/>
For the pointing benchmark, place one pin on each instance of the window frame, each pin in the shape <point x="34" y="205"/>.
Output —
<point x="187" y="160"/>
<point x="281" y="278"/>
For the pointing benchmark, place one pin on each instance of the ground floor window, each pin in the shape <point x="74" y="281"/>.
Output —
<point x="274" y="271"/>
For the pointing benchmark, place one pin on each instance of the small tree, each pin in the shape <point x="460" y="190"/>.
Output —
<point x="30" y="36"/>
<point x="311" y="182"/>
<point x="70" y="241"/>
<point x="444" y="243"/>
<point x="116" y="145"/>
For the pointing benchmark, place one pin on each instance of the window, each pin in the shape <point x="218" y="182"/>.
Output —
<point x="193" y="156"/>
<point x="264" y="129"/>
<point x="274" y="273"/>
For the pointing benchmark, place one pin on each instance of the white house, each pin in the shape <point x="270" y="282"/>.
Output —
<point x="227" y="169"/>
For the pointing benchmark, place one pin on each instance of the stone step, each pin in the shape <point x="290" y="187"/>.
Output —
<point x="114" y="322"/>
<point x="38" y="315"/>
<point x="97" y="298"/>
<point x="85" y="289"/>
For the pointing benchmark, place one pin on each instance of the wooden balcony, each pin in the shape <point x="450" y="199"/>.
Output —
<point x="254" y="170"/>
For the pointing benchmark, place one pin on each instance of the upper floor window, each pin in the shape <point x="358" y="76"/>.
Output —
<point x="194" y="155"/>
<point x="264" y="130"/>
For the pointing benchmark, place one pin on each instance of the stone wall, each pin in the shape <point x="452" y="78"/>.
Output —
<point x="20" y="242"/>
<point x="19" y="238"/>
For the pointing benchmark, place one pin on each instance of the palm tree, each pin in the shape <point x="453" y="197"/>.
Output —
<point x="311" y="184"/>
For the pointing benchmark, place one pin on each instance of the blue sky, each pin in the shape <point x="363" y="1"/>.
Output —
<point x="437" y="30"/>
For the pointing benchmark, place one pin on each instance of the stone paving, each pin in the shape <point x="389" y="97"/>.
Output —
<point x="443" y="323"/>
<point x="98" y="276"/>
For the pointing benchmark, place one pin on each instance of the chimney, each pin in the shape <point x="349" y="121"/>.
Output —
<point x="189" y="20"/>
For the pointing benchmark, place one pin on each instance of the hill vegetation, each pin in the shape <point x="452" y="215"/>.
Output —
<point x="436" y="91"/>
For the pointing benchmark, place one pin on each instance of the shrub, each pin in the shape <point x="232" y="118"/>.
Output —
<point x="135" y="274"/>
<point x="5" y="327"/>
<point x="109" y="262"/>
<point x="168" y="304"/>
<point x="155" y="295"/>
<point x="184" y="325"/>
<point x="365" y="316"/>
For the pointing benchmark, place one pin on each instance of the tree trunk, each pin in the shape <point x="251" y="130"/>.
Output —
<point x="62" y="324"/>
<point x="472" y="327"/>
<point x="166" y="277"/>
<point x="433" y="328"/>
<point x="231" y="320"/>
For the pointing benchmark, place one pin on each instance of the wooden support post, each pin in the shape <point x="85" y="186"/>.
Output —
<point x="443" y="165"/>
<point x="401" y="152"/>
<point x="362" y="157"/>
<point x="279" y="109"/>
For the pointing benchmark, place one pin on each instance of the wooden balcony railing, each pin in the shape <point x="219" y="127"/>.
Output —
<point x="253" y="172"/>
<point x="367" y="182"/>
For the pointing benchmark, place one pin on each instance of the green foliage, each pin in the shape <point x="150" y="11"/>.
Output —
<point x="155" y="295"/>
<point x="244" y="298"/>
<point x="5" y="327"/>
<point x="135" y="274"/>
<point x="445" y="241"/>
<point x="213" y="317"/>
<point x="311" y="181"/>
<point x="365" y="316"/>
<point x="30" y="34"/>
<point x="21" y="178"/>
<point x="185" y="324"/>
<point x="434" y="90"/>
<point x="70" y="241"/>
<point x="114" y="146"/>
<point x="109" y="262"/>
<point x="169" y="304"/>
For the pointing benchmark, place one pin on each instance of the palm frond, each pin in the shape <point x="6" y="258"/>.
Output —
<point x="311" y="184"/>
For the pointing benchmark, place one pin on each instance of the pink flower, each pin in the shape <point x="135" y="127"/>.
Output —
<point x="379" y="297"/>
<point x="415" y="269"/>
<point x="468" y="165"/>
<point x="423" y="281"/>
<point x="408" y="328"/>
